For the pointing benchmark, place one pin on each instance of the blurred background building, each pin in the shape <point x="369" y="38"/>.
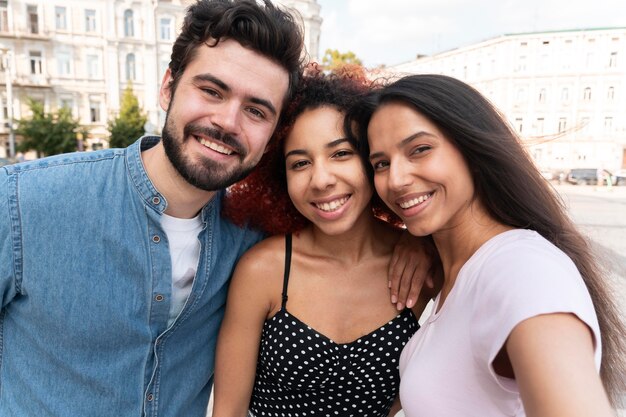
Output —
<point x="564" y="92"/>
<point x="81" y="55"/>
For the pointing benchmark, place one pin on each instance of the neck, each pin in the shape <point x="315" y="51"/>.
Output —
<point x="457" y="244"/>
<point x="183" y="199"/>
<point x="367" y="237"/>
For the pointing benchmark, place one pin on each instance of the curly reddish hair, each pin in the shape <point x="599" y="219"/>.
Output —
<point x="261" y="199"/>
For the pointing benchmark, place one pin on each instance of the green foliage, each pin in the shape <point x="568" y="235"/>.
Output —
<point x="128" y="125"/>
<point x="47" y="133"/>
<point x="334" y="60"/>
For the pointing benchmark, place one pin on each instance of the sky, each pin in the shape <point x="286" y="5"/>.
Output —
<point x="390" y="32"/>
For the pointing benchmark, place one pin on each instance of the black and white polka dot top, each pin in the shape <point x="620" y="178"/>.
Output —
<point x="301" y="372"/>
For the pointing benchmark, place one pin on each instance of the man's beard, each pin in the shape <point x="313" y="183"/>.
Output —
<point x="206" y="173"/>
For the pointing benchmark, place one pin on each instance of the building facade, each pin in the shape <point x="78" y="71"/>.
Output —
<point x="564" y="92"/>
<point x="82" y="54"/>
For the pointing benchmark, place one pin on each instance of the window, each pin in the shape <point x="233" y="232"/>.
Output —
<point x="33" y="19"/>
<point x="590" y="60"/>
<point x="5" y="109"/>
<point x="519" y="125"/>
<point x="521" y="95"/>
<point x="129" y="26"/>
<point x="163" y="65"/>
<point x="562" y="124"/>
<point x="587" y="94"/>
<point x="608" y="124"/>
<point x="93" y="66"/>
<point x="610" y="94"/>
<point x="66" y="103"/>
<point x="521" y="64"/>
<point x="4" y="16"/>
<point x="613" y="60"/>
<point x="542" y="96"/>
<point x="63" y="60"/>
<point x="130" y="67"/>
<point x="90" y="20"/>
<point x="60" y="14"/>
<point x="94" y="111"/>
<point x="584" y="125"/>
<point x="565" y="94"/>
<point x="166" y="29"/>
<point x="539" y="126"/>
<point x="35" y="62"/>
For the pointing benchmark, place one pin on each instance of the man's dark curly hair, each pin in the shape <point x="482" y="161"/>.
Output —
<point x="263" y="28"/>
<point x="261" y="200"/>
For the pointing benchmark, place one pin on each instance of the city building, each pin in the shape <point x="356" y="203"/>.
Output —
<point x="564" y="92"/>
<point x="82" y="54"/>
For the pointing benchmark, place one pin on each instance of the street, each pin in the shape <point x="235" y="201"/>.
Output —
<point x="600" y="213"/>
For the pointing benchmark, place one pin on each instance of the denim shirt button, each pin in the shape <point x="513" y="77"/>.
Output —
<point x="150" y="397"/>
<point x="159" y="297"/>
<point x="156" y="200"/>
<point x="156" y="239"/>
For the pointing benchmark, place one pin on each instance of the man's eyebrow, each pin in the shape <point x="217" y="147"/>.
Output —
<point x="221" y="84"/>
<point x="210" y="78"/>
<point x="403" y="142"/>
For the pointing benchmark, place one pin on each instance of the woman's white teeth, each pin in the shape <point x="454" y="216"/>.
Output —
<point x="216" y="147"/>
<point x="415" y="201"/>
<point x="333" y="205"/>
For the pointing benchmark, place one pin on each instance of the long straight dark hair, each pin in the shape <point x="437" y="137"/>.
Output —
<point x="509" y="186"/>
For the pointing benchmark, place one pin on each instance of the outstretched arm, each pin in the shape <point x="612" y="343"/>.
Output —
<point x="552" y="356"/>
<point x="414" y="265"/>
<point x="238" y="344"/>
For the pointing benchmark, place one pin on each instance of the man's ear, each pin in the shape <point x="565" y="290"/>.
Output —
<point x="165" y="92"/>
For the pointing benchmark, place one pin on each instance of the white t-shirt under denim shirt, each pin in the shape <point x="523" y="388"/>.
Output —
<point x="446" y="368"/>
<point x="182" y="235"/>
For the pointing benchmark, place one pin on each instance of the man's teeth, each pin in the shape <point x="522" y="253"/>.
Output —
<point x="415" y="201"/>
<point x="216" y="147"/>
<point x="333" y="205"/>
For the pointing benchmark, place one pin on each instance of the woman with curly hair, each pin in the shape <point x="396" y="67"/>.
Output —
<point x="309" y="329"/>
<point x="525" y="317"/>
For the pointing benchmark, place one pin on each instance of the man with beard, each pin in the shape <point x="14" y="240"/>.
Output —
<point x="114" y="264"/>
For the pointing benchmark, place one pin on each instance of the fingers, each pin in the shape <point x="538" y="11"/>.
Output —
<point x="396" y="269"/>
<point x="411" y="283"/>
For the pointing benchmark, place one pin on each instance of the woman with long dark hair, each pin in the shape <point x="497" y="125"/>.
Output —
<point x="525" y="318"/>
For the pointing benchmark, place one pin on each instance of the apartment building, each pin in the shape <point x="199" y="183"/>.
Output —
<point x="564" y="92"/>
<point x="81" y="55"/>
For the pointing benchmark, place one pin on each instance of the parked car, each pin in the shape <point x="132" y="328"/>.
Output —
<point x="583" y="176"/>
<point x="548" y="175"/>
<point x="619" y="178"/>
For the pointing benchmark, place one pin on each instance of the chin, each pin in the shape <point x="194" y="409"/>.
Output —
<point x="419" y="230"/>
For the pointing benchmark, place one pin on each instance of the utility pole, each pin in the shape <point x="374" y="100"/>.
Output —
<point x="7" y="67"/>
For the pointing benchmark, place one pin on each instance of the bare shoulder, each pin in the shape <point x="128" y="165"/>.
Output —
<point x="265" y="259"/>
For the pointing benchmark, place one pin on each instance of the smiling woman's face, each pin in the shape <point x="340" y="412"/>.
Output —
<point x="326" y="179"/>
<point x="418" y="172"/>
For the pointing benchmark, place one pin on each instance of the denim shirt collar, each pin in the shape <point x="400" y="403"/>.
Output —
<point x="148" y="192"/>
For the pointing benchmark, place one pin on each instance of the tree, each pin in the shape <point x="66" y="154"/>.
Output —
<point x="47" y="133"/>
<point x="129" y="123"/>
<point x="334" y="60"/>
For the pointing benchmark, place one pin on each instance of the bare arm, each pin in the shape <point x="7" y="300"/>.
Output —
<point x="413" y="264"/>
<point x="238" y="344"/>
<point x="552" y="357"/>
<point x="395" y="407"/>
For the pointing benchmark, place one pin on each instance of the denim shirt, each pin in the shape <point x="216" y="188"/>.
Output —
<point x="85" y="284"/>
